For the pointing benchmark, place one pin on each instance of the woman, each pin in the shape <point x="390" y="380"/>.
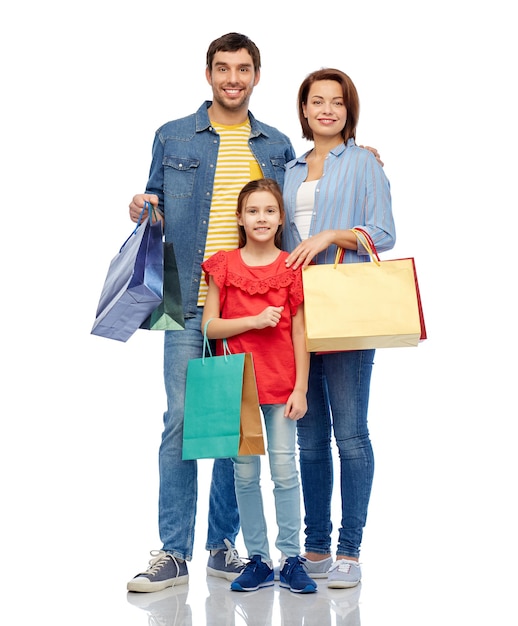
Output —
<point x="329" y="190"/>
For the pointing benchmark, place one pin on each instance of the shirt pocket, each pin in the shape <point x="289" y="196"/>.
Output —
<point x="179" y="176"/>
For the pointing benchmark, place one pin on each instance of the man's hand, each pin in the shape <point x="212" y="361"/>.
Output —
<point x="375" y="153"/>
<point x="137" y="204"/>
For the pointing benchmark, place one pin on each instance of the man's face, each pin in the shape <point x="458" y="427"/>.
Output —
<point x="233" y="78"/>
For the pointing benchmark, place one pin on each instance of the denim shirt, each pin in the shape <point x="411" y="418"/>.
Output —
<point x="353" y="191"/>
<point x="182" y="172"/>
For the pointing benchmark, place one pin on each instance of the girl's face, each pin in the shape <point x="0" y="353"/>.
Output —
<point x="260" y="216"/>
<point x="325" y="109"/>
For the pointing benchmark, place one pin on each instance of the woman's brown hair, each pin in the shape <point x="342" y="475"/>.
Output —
<point x="350" y="95"/>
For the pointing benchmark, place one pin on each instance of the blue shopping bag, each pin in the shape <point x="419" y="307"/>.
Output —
<point x="134" y="283"/>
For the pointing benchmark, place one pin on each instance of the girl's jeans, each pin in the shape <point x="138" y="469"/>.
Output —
<point x="280" y="434"/>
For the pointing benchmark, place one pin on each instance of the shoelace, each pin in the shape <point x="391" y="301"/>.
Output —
<point x="254" y="563"/>
<point x="296" y="566"/>
<point x="342" y="566"/>
<point x="160" y="559"/>
<point x="232" y="556"/>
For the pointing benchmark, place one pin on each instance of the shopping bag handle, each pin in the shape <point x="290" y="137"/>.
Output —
<point x="366" y="241"/>
<point x="206" y="343"/>
<point x="147" y="206"/>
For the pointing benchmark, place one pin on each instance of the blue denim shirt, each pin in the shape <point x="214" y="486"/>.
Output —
<point x="182" y="172"/>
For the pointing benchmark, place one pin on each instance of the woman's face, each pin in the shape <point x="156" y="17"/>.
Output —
<point x="325" y="109"/>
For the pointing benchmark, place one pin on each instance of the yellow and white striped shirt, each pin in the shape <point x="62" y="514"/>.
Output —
<point x="235" y="167"/>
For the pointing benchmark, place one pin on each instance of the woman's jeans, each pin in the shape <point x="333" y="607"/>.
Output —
<point x="280" y="435"/>
<point x="338" y="399"/>
<point x="179" y="479"/>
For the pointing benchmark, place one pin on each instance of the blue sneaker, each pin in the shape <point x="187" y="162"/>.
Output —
<point x="293" y="576"/>
<point x="256" y="574"/>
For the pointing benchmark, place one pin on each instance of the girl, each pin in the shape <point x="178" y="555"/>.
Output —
<point x="255" y="302"/>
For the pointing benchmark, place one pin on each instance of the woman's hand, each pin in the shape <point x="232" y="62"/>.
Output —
<point x="306" y="251"/>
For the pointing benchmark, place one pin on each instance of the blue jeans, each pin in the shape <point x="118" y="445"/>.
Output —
<point x="280" y="435"/>
<point x="179" y="479"/>
<point x="338" y="399"/>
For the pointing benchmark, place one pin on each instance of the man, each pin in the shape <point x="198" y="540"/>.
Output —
<point x="199" y="165"/>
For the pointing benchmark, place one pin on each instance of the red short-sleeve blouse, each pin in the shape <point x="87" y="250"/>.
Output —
<point x="247" y="290"/>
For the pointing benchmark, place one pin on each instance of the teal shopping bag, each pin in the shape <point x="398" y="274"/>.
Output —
<point x="222" y="415"/>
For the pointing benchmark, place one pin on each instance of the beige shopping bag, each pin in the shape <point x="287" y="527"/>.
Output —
<point x="357" y="306"/>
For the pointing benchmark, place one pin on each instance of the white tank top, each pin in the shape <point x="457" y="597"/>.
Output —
<point x="304" y="207"/>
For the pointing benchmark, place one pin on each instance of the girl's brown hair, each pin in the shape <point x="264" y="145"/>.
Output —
<point x="350" y="95"/>
<point x="261" y="184"/>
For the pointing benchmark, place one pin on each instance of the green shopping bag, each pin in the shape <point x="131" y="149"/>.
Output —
<point x="169" y="313"/>
<point x="222" y="416"/>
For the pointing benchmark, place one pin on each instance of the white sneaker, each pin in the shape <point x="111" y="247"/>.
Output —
<point x="344" y="574"/>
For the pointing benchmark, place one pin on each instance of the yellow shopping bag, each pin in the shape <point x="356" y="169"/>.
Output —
<point x="357" y="306"/>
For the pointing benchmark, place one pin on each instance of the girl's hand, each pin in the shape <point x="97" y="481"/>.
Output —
<point x="269" y="317"/>
<point x="296" y="406"/>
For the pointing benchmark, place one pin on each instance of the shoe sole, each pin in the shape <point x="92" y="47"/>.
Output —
<point x="307" y="589"/>
<point x="310" y="574"/>
<point x="230" y="576"/>
<point x="340" y="584"/>
<point x="142" y="587"/>
<point x="239" y="588"/>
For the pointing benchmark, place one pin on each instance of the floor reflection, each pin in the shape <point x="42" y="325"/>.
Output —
<point x="265" y="607"/>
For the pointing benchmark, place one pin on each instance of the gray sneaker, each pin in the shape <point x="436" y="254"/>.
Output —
<point x="318" y="569"/>
<point x="343" y="574"/>
<point x="225" y="563"/>
<point x="164" y="571"/>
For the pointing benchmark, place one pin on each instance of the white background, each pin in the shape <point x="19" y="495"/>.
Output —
<point x="84" y="87"/>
